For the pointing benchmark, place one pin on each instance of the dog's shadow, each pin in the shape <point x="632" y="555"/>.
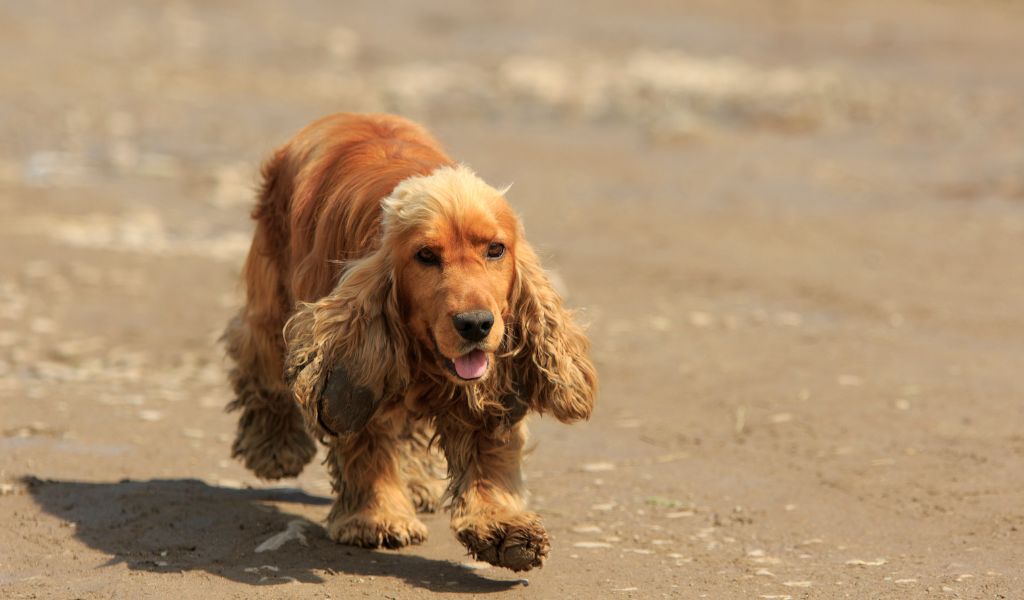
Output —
<point x="174" y="525"/>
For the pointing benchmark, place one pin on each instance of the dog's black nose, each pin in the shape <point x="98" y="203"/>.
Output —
<point x="473" y="325"/>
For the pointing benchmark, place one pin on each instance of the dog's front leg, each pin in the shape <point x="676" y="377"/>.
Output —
<point x="489" y="513"/>
<point x="372" y="508"/>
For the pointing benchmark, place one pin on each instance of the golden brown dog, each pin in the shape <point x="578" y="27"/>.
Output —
<point x="392" y="301"/>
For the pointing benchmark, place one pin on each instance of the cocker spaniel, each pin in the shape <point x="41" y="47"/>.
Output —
<point x="395" y="312"/>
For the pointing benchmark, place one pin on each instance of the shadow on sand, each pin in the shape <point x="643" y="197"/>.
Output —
<point x="173" y="525"/>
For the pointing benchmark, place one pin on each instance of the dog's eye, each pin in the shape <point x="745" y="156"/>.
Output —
<point x="427" y="257"/>
<point x="495" y="250"/>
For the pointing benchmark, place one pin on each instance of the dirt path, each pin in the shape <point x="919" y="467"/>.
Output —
<point x="797" y="232"/>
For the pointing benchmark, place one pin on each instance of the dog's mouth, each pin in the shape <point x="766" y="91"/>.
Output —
<point x="470" y="366"/>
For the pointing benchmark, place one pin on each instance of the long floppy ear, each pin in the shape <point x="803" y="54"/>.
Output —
<point x="347" y="350"/>
<point x="553" y="371"/>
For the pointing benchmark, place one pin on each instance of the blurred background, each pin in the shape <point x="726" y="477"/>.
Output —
<point x="796" y="229"/>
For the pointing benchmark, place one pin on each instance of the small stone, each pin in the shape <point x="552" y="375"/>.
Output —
<point x="663" y="501"/>
<point x="866" y="563"/>
<point x="475" y="565"/>
<point x="850" y="380"/>
<point x="672" y="457"/>
<point x="660" y="324"/>
<point x="151" y="415"/>
<point x="293" y="531"/>
<point x="701" y="319"/>
<point x="42" y="325"/>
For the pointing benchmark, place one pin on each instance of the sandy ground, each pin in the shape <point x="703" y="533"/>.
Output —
<point x="796" y="229"/>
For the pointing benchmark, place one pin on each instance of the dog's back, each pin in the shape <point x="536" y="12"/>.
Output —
<point x="335" y="171"/>
<point x="319" y="205"/>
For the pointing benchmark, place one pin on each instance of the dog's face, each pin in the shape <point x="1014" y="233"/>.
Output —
<point x="454" y="268"/>
<point x="451" y="281"/>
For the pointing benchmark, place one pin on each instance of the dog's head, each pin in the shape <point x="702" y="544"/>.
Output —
<point x="452" y="240"/>
<point x="453" y="293"/>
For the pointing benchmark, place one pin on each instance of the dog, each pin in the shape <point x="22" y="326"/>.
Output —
<point x="395" y="312"/>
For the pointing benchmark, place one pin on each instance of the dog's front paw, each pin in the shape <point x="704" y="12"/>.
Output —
<point x="519" y="543"/>
<point x="376" y="530"/>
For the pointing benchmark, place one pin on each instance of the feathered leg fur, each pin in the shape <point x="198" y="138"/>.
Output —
<point x="271" y="439"/>
<point x="423" y="467"/>
<point x="489" y="513"/>
<point x="373" y="507"/>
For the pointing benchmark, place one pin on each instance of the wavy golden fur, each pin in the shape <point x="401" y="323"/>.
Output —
<point x="392" y="299"/>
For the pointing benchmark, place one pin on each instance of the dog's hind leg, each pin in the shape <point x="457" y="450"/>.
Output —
<point x="271" y="439"/>
<point x="423" y="466"/>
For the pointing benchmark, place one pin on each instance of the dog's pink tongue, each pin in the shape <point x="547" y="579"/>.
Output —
<point x="472" y="365"/>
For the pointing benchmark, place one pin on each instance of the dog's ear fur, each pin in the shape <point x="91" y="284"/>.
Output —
<point x="347" y="350"/>
<point x="551" y="363"/>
